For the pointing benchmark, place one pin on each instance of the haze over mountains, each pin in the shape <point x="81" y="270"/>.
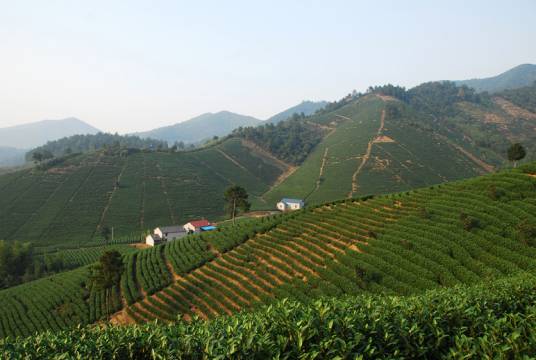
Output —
<point x="519" y="76"/>
<point x="34" y="134"/>
<point x="219" y="124"/>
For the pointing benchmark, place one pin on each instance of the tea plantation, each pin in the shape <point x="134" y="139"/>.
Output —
<point x="372" y="248"/>
<point x="70" y="202"/>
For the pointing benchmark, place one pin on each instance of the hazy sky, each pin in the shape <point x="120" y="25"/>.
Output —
<point x="134" y="65"/>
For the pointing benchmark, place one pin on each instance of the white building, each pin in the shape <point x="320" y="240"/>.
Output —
<point x="165" y="233"/>
<point x="290" y="204"/>
<point x="153" y="239"/>
<point x="170" y="232"/>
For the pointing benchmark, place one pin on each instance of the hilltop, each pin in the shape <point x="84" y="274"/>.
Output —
<point x="305" y="107"/>
<point x="403" y="244"/>
<point x="519" y="76"/>
<point x="201" y="127"/>
<point x="34" y="134"/>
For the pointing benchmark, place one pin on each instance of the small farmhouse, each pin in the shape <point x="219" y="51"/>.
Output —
<point x="165" y="233"/>
<point x="198" y="226"/>
<point x="290" y="204"/>
<point x="170" y="232"/>
<point x="153" y="239"/>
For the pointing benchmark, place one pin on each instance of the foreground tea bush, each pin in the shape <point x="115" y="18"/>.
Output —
<point x="495" y="320"/>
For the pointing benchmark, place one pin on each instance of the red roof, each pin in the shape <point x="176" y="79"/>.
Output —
<point x="199" y="223"/>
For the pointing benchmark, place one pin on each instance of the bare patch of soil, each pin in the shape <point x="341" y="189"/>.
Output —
<point x="514" y="110"/>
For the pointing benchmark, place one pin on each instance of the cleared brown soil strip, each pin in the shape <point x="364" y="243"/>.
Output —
<point x="223" y="264"/>
<point x="321" y="172"/>
<point x="216" y="285"/>
<point x="366" y="157"/>
<point x="514" y="110"/>
<point x="293" y="255"/>
<point x="282" y="165"/>
<point x="485" y="166"/>
<point x="274" y="259"/>
<point x="279" y="277"/>
<point x="121" y="318"/>
<point x="194" y="309"/>
<point x="313" y="244"/>
<point x="231" y="159"/>
<point x="209" y="274"/>
<point x="194" y="298"/>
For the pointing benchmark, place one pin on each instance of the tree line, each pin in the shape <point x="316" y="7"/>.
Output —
<point x="290" y="140"/>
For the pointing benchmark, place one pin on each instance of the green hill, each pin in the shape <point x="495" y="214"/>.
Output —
<point x="519" y="76"/>
<point x="403" y="244"/>
<point x="69" y="202"/>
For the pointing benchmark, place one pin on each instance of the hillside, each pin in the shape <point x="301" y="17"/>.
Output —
<point x="494" y="320"/>
<point x="34" y="134"/>
<point x="403" y="244"/>
<point x="395" y="139"/>
<point x="305" y="107"/>
<point x="519" y="76"/>
<point x="201" y="128"/>
<point x="69" y="202"/>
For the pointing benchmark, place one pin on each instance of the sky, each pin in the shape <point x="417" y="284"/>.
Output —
<point x="126" y="66"/>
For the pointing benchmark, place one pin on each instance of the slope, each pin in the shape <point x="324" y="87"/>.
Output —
<point x="401" y="244"/>
<point x="369" y="151"/>
<point x="201" y="128"/>
<point x="30" y="135"/>
<point x="69" y="202"/>
<point x="519" y="76"/>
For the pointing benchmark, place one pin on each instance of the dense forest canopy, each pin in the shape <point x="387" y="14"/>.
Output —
<point x="19" y="263"/>
<point x="85" y="143"/>
<point x="291" y="140"/>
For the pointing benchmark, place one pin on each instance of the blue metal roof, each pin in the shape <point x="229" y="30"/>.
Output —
<point x="208" y="228"/>
<point x="293" y="201"/>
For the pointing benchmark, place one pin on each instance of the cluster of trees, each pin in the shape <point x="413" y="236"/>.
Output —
<point x="291" y="140"/>
<point x="19" y="263"/>
<point x="524" y="97"/>
<point x="85" y="143"/>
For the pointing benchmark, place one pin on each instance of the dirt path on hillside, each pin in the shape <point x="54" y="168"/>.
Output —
<point x="321" y="172"/>
<point x="231" y="159"/>
<point x="116" y="186"/>
<point x="485" y="166"/>
<point x="366" y="157"/>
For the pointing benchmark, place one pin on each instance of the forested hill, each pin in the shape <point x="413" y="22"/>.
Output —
<point x="402" y="244"/>
<point x="92" y="142"/>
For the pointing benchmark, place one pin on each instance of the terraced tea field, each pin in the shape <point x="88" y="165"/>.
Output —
<point x="396" y="244"/>
<point x="371" y="152"/>
<point x="71" y="203"/>
<point x="463" y="232"/>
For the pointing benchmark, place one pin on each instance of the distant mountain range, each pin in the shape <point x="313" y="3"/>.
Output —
<point x="519" y="76"/>
<point x="305" y="107"/>
<point x="206" y="126"/>
<point x="201" y="127"/>
<point x="28" y="136"/>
